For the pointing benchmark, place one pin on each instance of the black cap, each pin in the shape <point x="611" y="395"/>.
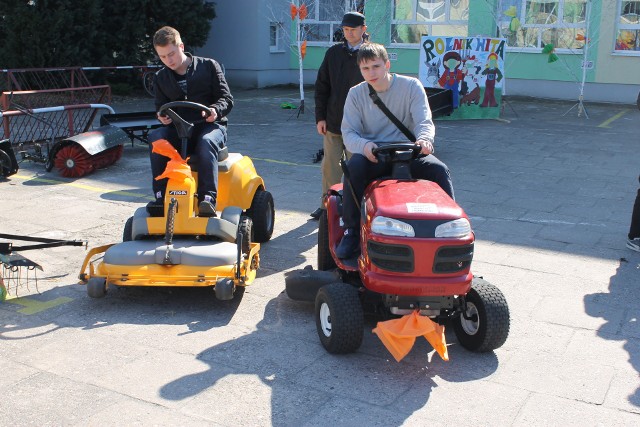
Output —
<point x="352" y="20"/>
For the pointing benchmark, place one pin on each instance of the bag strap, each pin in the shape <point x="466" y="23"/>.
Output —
<point x="376" y="100"/>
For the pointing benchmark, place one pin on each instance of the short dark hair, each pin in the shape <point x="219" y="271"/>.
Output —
<point x="166" y="36"/>
<point x="371" y="52"/>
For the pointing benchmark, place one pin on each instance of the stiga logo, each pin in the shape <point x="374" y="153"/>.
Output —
<point x="178" y="192"/>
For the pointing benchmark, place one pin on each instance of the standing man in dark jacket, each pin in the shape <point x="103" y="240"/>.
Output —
<point x="190" y="78"/>
<point x="337" y="74"/>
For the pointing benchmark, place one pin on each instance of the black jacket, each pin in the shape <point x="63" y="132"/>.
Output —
<point x="205" y="85"/>
<point x="338" y="73"/>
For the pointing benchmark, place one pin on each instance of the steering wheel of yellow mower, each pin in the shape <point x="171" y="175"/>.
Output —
<point x="183" y="127"/>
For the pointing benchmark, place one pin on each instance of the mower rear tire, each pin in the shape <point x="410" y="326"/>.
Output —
<point x="489" y="328"/>
<point x="245" y="229"/>
<point x="262" y="212"/>
<point x="325" y="260"/>
<point x="96" y="287"/>
<point x="339" y="318"/>
<point x="127" y="232"/>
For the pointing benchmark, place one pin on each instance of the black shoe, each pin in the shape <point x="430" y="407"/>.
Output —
<point x="156" y="207"/>
<point x="349" y="245"/>
<point x="206" y="209"/>
<point x="317" y="213"/>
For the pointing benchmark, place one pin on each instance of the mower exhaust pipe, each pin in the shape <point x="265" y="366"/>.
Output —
<point x="303" y="285"/>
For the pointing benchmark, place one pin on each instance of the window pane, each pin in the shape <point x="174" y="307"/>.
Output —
<point x="404" y="33"/>
<point x="273" y="35"/>
<point x="331" y="10"/>
<point x="543" y="12"/>
<point x="403" y="10"/>
<point x="315" y="32"/>
<point x="575" y="11"/>
<point x="631" y="7"/>
<point x="628" y="40"/>
<point x="430" y="10"/>
<point x="459" y="10"/>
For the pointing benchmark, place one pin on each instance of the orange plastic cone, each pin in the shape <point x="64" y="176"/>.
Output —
<point x="399" y="335"/>
<point x="177" y="167"/>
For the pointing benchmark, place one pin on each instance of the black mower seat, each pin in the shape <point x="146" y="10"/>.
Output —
<point x="223" y="228"/>
<point x="187" y="252"/>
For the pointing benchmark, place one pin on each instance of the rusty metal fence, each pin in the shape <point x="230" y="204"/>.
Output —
<point x="32" y="88"/>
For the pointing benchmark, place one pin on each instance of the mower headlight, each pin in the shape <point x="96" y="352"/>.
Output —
<point x="391" y="227"/>
<point x="456" y="229"/>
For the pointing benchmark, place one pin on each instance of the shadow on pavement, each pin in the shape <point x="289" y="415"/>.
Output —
<point x="618" y="308"/>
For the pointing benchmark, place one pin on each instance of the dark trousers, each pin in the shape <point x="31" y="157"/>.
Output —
<point x="362" y="172"/>
<point x="634" y="230"/>
<point x="205" y="143"/>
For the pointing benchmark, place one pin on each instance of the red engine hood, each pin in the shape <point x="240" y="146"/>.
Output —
<point x="419" y="199"/>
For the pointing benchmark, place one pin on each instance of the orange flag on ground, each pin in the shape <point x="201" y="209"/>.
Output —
<point x="399" y="335"/>
<point x="177" y="167"/>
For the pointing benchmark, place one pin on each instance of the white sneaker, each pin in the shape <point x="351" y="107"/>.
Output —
<point x="634" y="244"/>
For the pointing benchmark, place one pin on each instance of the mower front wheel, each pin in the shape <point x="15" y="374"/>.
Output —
<point x="263" y="214"/>
<point x="339" y="318"/>
<point x="96" y="287"/>
<point x="488" y="325"/>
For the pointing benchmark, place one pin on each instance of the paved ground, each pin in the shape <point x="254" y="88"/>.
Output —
<point x="550" y="199"/>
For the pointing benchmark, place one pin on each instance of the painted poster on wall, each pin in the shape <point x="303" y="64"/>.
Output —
<point x="472" y="67"/>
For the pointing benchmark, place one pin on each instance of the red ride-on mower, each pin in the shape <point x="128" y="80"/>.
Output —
<point x="415" y="261"/>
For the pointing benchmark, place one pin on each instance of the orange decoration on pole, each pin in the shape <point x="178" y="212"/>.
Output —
<point x="303" y="11"/>
<point x="303" y="49"/>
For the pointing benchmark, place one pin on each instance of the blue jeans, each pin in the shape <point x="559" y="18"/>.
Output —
<point x="362" y="172"/>
<point x="206" y="141"/>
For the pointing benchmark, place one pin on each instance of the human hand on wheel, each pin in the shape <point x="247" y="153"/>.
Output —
<point x="212" y="117"/>
<point x="426" y="146"/>
<point x="164" y="119"/>
<point x="368" y="151"/>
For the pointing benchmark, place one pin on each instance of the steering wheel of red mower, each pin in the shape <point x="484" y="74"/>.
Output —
<point x="183" y="127"/>
<point x="394" y="147"/>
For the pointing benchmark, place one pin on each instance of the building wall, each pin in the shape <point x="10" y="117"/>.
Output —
<point x="240" y="39"/>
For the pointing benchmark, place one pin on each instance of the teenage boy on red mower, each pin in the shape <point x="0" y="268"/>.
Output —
<point x="364" y="122"/>
<point x="189" y="78"/>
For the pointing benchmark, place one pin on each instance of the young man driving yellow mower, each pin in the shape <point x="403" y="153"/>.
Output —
<point x="180" y="248"/>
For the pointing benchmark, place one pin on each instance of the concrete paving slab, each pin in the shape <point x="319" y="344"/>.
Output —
<point x="549" y="197"/>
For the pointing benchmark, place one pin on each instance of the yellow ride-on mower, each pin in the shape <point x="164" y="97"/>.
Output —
<point x="181" y="248"/>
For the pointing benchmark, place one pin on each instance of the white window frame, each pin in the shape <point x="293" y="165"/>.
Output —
<point x="631" y="27"/>
<point x="279" y="46"/>
<point x="313" y="18"/>
<point x="558" y="25"/>
<point x="430" y="24"/>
